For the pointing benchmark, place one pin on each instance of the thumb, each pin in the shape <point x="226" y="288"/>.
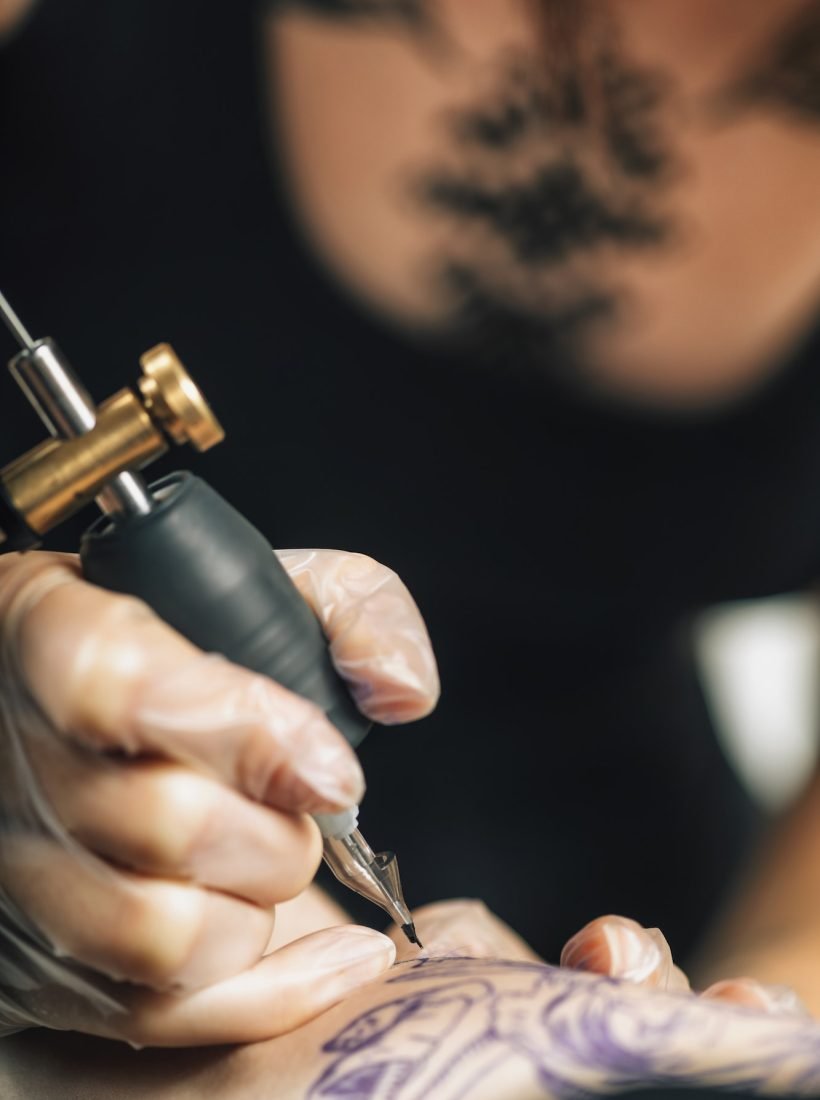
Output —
<point x="280" y="993"/>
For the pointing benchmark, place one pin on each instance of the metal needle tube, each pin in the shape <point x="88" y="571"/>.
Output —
<point x="15" y="325"/>
<point x="373" y="875"/>
<point x="66" y="408"/>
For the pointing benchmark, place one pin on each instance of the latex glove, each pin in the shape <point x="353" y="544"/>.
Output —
<point x="154" y="800"/>
<point x="622" y="948"/>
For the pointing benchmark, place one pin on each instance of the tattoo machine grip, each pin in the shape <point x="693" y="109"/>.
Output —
<point x="210" y="574"/>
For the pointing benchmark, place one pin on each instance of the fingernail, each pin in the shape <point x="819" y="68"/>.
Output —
<point x="614" y="948"/>
<point x="352" y="956"/>
<point x="633" y="955"/>
<point x="781" y="1000"/>
<point x="209" y="693"/>
<point x="777" y="1000"/>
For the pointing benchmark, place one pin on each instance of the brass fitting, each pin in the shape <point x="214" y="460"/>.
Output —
<point x="174" y="401"/>
<point x="58" y="477"/>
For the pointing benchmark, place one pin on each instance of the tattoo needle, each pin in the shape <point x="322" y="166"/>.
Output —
<point x="374" y="875"/>
<point x="410" y="931"/>
<point x="15" y="325"/>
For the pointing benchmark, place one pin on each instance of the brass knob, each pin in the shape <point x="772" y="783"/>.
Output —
<point x="174" y="400"/>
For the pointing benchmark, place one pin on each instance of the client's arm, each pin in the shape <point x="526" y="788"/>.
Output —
<point x="448" y="1028"/>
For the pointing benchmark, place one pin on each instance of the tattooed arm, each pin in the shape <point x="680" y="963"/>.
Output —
<point x="451" y="1028"/>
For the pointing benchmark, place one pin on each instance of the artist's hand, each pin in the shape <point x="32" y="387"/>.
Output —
<point x="622" y="948"/>
<point x="153" y="806"/>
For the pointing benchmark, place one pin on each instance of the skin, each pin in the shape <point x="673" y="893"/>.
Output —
<point x="770" y="929"/>
<point x="457" y="1021"/>
<point x="12" y="13"/>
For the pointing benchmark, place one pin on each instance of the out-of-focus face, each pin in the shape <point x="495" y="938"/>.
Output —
<point x="621" y="193"/>
<point x="11" y="12"/>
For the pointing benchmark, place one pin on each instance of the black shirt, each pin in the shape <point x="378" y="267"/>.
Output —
<point x="558" y="546"/>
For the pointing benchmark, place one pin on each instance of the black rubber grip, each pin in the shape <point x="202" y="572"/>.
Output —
<point x="210" y="574"/>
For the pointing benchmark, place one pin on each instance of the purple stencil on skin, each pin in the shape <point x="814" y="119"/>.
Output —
<point x="568" y="1032"/>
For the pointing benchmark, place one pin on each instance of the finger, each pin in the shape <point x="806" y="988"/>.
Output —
<point x="378" y="639"/>
<point x="281" y="992"/>
<point x="167" y="821"/>
<point x="107" y="671"/>
<point x="777" y="1000"/>
<point x="154" y="932"/>
<point x="622" y="948"/>
<point x="464" y="927"/>
<point x="721" y="1046"/>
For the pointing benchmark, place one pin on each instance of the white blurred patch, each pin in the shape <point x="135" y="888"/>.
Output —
<point x="760" y="663"/>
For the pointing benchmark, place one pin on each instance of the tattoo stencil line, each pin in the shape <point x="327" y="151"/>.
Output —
<point x="565" y="1032"/>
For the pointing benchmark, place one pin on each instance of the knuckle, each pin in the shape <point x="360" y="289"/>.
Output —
<point x="118" y="654"/>
<point x="293" y="863"/>
<point x="361" y="567"/>
<point x="363" y="563"/>
<point x="177" y="808"/>
<point x="126" y="610"/>
<point x="153" y="936"/>
<point x="75" y="647"/>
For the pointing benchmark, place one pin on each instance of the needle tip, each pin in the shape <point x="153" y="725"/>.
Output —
<point x="410" y="931"/>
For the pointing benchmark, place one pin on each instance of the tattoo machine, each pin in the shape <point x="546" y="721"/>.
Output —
<point x="229" y="594"/>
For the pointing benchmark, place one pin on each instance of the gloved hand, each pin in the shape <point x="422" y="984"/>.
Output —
<point x="153" y="806"/>
<point x="622" y="948"/>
